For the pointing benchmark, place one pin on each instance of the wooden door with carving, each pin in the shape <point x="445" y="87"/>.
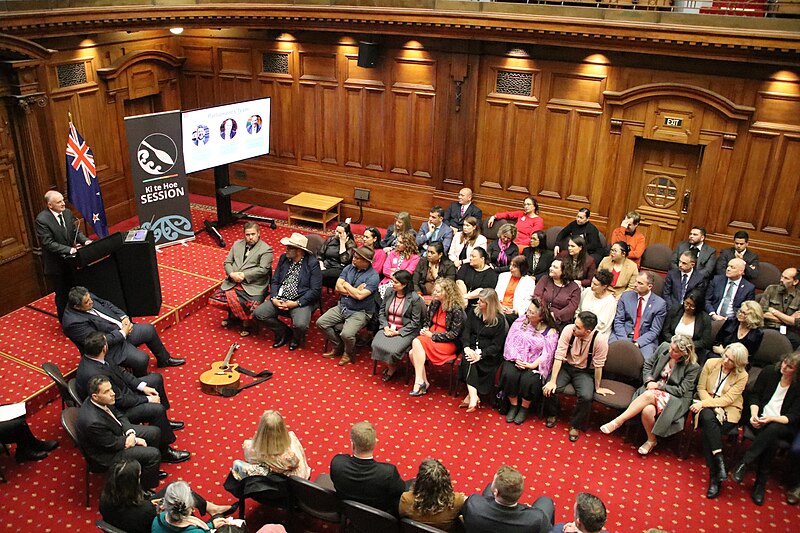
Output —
<point x="663" y="178"/>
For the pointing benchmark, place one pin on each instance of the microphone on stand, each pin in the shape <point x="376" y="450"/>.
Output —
<point x="77" y="224"/>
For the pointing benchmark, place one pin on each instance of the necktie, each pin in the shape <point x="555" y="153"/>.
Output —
<point x="463" y="210"/>
<point x="684" y="283"/>
<point x="638" y="323"/>
<point x="725" y="307"/>
<point x="61" y="222"/>
<point x="435" y="235"/>
<point x="246" y="252"/>
<point x="695" y="249"/>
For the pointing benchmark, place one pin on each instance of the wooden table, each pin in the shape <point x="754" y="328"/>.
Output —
<point x="310" y="207"/>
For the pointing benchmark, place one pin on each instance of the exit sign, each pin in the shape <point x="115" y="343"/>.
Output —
<point x="673" y="122"/>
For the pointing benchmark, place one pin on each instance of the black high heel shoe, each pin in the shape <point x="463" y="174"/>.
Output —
<point x="423" y="389"/>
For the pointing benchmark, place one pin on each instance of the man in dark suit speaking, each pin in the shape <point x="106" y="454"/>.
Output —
<point x="361" y="478"/>
<point x="60" y="236"/>
<point x="87" y="313"/>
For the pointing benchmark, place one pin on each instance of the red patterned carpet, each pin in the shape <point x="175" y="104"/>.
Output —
<point x="320" y="401"/>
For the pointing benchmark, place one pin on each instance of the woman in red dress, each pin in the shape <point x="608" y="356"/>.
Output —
<point x="441" y="331"/>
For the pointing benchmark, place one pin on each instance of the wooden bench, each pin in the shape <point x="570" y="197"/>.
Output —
<point x="310" y="207"/>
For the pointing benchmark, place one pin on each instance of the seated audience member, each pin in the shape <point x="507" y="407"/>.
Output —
<point x="599" y="299"/>
<point x="774" y="414"/>
<point x="739" y="250"/>
<point x="498" y="508"/>
<point x="336" y="253"/>
<point x="559" y="293"/>
<point x="434" y="230"/>
<point x="248" y="267"/>
<point x="107" y="436"/>
<point x="581" y="227"/>
<point x="476" y="275"/>
<point x="440" y="336"/>
<point x="640" y="315"/>
<point x="793" y="490"/>
<point x="178" y="507"/>
<point x="142" y="400"/>
<point x="706" y="254"/>
<point x="404" y="256"/>
<point x="515" y="289"/>
<point x="719" y="408"/>
<point x="372" y="239"/>
<point x="458" y="212"/>
<point x="746" y="329"/>
<point x="273" y="449"/>
<point x="356" y="306"/>
<point x="528" y="221"/>
<point x="125" y="505"/>
<point x="538" y="256"/>
<point x="579" y="360"/>
<point x="726" y="293"/>
<point x="465" y="241"/>
<point x="29" y="448"/>
<point x="623" y="270"/>
<point x="590" y="516"/>
<point x="663" y="400"/>
<point x="86" y="313"/>
<point x="690" y="320"/>
<point x="361" y="478"/>
<point x="627" y="233"/>
<point x="781" y="305"/>
<point x="483" y="339"/>
<point x="400" y="319"/>
<point x="402" y="224"/>
<point x="580" y="264"/>
<point x="431" y="268"/>
<point x="679" y="281"/>
<point x="503" y="250"/>
<point x="431" y="499"/>
<point x="528" y="357"/>
<point x="295" y="290"/>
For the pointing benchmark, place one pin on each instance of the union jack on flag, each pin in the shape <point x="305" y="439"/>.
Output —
<point x="83" y="189"/>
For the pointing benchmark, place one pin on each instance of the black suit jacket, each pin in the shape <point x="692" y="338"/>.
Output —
<point x="309" y="288"/>
<point x="453" y="218"/>
<point x="55" y="240"/>
<point x="765" y="386"/>
<point x="100" y="436"/>
<point x="484" y="515"/>
<point x="672" y="286"/>
<point x="367" y="481"/>
<point x="123" y="383"/>
<point x="706" y="260"/>
<point x="78" y="324"/>
<point x="716" y="291"/>
<point x="702" y="328"/>
<point x="588" y="231"/>
<point x="750" y="271"/>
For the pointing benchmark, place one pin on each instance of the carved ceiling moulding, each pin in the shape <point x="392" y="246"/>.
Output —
<point x="703" y="42"/>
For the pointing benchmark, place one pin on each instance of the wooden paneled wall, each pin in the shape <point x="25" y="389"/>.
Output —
<point x="574" y="129"/>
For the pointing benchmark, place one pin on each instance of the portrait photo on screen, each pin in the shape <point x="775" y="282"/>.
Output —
<point x="243" y="134"/>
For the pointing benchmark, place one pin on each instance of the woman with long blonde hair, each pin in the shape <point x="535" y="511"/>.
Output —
<point x="441" y="332"/>
<point x="272" y="449"/>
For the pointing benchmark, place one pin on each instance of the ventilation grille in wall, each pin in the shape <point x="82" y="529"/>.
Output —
<point x="273" y="63"/>
<point x="516" y="83"/>
<point x="71" y="74"/>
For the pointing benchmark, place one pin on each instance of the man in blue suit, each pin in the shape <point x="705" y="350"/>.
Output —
<point x="434" y="230"/>
<point x="640" y="315"/>
<point x="680" y="281"/>
<point x="727" y="293"/>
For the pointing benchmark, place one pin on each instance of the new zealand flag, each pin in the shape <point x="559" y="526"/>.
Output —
<point x="82" y="185"/>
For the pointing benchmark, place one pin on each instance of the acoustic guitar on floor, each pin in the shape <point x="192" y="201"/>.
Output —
<point x="222" y="374"/>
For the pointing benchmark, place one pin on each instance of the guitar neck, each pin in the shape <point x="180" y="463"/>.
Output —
<point x="232" y="349"/>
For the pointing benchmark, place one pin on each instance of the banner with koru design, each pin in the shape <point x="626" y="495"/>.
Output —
<point x="159" y="177"/>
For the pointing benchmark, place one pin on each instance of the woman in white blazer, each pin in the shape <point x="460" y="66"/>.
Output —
<point x="515" y="289"/>
<point x="465" y="241"/>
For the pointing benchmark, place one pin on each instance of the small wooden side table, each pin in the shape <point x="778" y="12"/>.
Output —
<point x="310" y="207"/>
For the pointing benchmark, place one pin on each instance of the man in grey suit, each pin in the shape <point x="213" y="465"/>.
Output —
<point x="248" y="268"/>
<point x="640" y="315"/>
<point x="434" y="230"/>
<point x="60" y="236"/>
<point x="706" y="254"/>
